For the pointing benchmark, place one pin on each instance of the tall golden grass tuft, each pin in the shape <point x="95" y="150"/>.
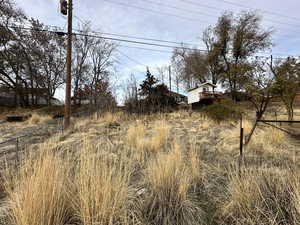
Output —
<point x="40" y="193"/>
<point x="160" y="135"/>
<point x="144" y="146"/>
<point x="168" y="200"/>
<point x="103" y="190"/>
<point x="269" y="142"/>
<point x="37" y="119"/>
<point x="262" y="196"/>
<point x="112" y="118"/>
<point x="195" y="165"/>
<point x="134" y="134"/>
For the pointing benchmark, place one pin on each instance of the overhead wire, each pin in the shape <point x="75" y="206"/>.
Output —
<point x="143" y="38"/>
<point x="114" y="39"/>
<point x="123" y="40"/>
<point x="146" y="49"/>
<point x="153" y="11"/>
<point x="133" y="60"/>
<point x="219" y="9"/>
<point x="178" y="8"/>
<point x="188" y="18"/>
<point x="263" y="10"/>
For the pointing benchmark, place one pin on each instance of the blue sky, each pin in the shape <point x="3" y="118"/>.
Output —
<point x="174" y="20"/>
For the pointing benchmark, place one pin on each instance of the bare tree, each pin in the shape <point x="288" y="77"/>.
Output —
<point x="188" y="66"/>
<point x="259" y="86"/>
<point x="162" y="73"/>
<point x="131" y="100"/>
<point x="10" y="52"/>
<point x="81" y="64"/>
<point x="50" y="54"/>
<point x="31" y="60"/>
<point x="101" y="62"/>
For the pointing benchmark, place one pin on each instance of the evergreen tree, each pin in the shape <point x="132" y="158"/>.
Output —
<point x="147" y="86"/>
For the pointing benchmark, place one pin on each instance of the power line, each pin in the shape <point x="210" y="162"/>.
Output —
<point x="139" y="42"/>
<point x="219" y="9"/>
<point x="146" y="49"/>
<point x="136" y="37"/>
<point x="154" y="11"/>
<point x="143" y="38"/>
<point x="125" y="40"/>
<point x="114" y="39"/>
<point x="178" y="8"/>
<point x="133" y="60"/>
<point x="265" y="11"/>
<point x="129" y="67"/>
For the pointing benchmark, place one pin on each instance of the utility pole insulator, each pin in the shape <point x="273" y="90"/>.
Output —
<point x="64" y="7"/>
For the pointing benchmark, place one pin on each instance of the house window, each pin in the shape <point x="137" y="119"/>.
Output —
<point x="204" y="89"/>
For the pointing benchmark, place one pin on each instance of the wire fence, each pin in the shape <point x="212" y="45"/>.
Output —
<point x="13" y="148"/>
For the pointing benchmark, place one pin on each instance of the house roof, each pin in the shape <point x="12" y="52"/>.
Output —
<point x="203" y="84"/>
<point x="207" y="83"/>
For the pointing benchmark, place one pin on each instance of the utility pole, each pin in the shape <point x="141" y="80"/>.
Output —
<point x="170" y="80"/>
<point x="69" y="68"/>
<point x="271" y="61"/>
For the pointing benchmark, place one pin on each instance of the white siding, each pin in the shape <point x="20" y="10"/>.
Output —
<point x="207" y="87"/>
<point x="194" y="95"/>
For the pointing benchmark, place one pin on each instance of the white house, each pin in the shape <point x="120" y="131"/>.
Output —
<point x="200" y="91"/>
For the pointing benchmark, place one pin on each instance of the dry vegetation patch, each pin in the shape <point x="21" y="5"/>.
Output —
<point x="168" y="169"/>
<point x="262" y="196"/>
<point x="169" y="200"/>
<point x="39" y="192"/>
<point x="103" y="188"/>
<point x="38" y="118"/>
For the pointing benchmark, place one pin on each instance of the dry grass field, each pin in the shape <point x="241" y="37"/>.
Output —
<point x="178" y="168"/>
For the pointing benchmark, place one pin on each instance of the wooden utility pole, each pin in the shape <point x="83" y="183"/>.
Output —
<point x="69" y="68"/>
<point x="170" y="80"/>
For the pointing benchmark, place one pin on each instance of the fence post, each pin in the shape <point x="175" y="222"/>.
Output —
<point x="241" y="136"/>
<point x="241" y="141"/>
<point x="62" y="125"/>
<point x="241" y="144"/>
<point x="17" y="150"/>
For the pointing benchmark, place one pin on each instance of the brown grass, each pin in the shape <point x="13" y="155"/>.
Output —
<point x="168" y="200"/>
<point x="40" y="193"/>
<point x="144" y="145"/>
<point x="263" y="196"/>
<point x="140" y="177"/>
<point x="37" y="119"/>
<point x="103" y="188"/>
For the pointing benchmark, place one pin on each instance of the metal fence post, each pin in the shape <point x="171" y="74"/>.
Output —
<point x="17" y="150"/>
<point x="241" y="144"/>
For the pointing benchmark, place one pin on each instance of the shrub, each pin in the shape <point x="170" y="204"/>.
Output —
<point x="222" y="111"/>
